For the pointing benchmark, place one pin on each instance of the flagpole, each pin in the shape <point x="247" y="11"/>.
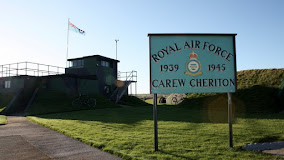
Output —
<point x="67" y="44"/>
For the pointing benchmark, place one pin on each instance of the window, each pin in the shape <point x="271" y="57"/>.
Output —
<point x="105" y="63"/>
<point x="7" y="84"/>
<point x="77" y="63"/>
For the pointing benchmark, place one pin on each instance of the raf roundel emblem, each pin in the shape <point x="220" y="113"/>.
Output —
<point x="193" y="66"/>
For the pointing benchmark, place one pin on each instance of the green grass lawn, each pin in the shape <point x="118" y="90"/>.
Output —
<point x="184" y="133"/>
<point x="195" y="129"/>
<point x="3" y="120"/>
<point x="2" y="108"/>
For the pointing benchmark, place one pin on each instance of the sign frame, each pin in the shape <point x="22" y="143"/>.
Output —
<point x="229" y="93"/>
<point x="194" y="34"/>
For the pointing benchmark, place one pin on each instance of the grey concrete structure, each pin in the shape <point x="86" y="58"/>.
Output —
<point x="88" y="75"/>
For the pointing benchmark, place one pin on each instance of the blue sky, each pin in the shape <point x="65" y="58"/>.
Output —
<point x="36" y="31"/>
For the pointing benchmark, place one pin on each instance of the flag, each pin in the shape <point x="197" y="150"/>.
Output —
<point x="76" y="29"/>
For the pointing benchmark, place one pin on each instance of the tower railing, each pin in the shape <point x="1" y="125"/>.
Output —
<point x="130" y="76"/>
<point x="127" y="76"/>
<point x="29" y="68"/>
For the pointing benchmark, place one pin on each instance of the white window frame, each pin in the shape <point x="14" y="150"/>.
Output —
<point x="77" y="63"/>
<point x="7" y="84"/>
<point x="105" y="63"/>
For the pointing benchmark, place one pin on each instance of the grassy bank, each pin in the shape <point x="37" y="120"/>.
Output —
<point x="48" y="101"/>
<point x="3" y="120"/>
<point x="132" y="101"/>
<point x="5" y="99"/>
<point x="258" y="92"/>
<point x="184" y="133"/>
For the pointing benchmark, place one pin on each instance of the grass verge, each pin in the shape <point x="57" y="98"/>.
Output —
<point x="184" y="133"/>
<point x="3" y="120"/>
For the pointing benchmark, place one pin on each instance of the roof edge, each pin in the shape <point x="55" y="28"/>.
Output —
<point x="185" y="34"/>
<point x="103" y="57"/>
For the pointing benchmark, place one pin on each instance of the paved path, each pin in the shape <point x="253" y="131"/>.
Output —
<point x="275" y="148"/>
<point x="23" y="140"/>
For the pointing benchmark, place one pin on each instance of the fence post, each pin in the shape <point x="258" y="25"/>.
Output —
<point x="130" y="88"/>
<point x="135" y="88"/>
<point x="26" y="68"/>
<point x="17" y="68"/>
<point x="136" y="83"/>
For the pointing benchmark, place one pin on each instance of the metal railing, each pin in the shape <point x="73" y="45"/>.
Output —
<point x="29" y="68"/>
<point x="127" y="76"/>
<point x="131" y="77"/>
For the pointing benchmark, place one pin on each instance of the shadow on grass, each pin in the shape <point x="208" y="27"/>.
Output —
<point x="165" y="113"/>
<point x="133" y="115"/>
<point x="267" y="139"/>
<point x="257" y="102"/>
<point x="176" y="155"/>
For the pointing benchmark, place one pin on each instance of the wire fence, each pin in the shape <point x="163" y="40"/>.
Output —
<point x="29" y="68"/>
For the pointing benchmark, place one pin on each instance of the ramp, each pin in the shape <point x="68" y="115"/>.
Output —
<point x="119" y="92"/>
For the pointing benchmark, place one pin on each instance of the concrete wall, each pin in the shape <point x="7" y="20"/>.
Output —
<point x="16" y="84"/>
<point x="91" y="78"/>
<point x="106" y="76"/>
<point x="60" y="84"/>
<point x="71" y="85"/>
<point x="86" y="86"/>
<point x="106" y="80"/>
<point x="89" y="68"/>
<point x="23" y="86"/>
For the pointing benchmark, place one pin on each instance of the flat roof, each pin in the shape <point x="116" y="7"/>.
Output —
<point x="98" y="56"/>
<point x="187" y="34"/>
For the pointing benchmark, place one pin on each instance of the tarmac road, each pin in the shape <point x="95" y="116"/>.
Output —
<point x="22" y="140"/>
